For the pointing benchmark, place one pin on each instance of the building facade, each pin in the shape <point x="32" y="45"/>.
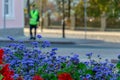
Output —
<point x="11" y="17"/>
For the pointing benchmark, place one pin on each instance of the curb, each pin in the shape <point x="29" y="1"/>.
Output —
<point x="28" y="41"/>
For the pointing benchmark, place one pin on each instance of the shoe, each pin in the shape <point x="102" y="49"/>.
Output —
<point x="31" y="38"/>
<point x="34" y="38"/>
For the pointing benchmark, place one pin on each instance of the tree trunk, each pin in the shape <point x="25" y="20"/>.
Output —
<point x="69" y="8"/>
<point x="103" y="22"/>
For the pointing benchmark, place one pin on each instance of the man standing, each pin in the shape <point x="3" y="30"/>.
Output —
<point x="33" y="21"/>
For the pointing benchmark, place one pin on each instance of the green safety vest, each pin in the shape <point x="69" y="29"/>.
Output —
<point x="34" y="16"/>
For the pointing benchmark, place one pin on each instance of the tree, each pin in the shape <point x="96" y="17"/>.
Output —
<point x="115" y="8"/>
<point x="67" y="4"/>
<point x="99" y="8"/>
<point x="79" y="9"/>
<point x="105" y="9"/>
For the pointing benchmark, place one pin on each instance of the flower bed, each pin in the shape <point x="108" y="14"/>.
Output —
<point x="24" y="63"/>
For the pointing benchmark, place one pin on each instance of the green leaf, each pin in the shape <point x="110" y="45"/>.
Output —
<point x="0" y="67"/>
<point x="41" y="69"/>
<point x="89" y="72"/>
<point x="1" y="76"/>
<point x="118" y="65"/>
<point x="18" y="69"/>
<point x="45" y="75"/>
<point x="118" y="78"/>
<point x="76" y="75"/>
<point x="59" y="72"/>
<point x="63" y="65"/>
<point x="44" y="66"/>
<point x="52" y="76"/>
<point x="18" y="55"/>
<point x="82" y="66"/>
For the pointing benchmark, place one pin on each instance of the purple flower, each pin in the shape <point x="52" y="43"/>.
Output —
<point x="98" y="55"/>
<point x="54" y="49"/>
<point x="88" y="76"/>
<point x="11" y="38"/>
<point x="35" y="44"/>
<point x="45" y="44"/>
<point x="89" y="54"/>
<point x="39" y="36"/>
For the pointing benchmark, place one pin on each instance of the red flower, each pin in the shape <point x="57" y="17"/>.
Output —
<point x="85" y="79"/>
<point x="8" y="78"/>
<point x="64" y="76"/>
<point x="1" y="51"/>
<point x="37" y="77"/>
<point x="7" y="73"/>
<point x="1" y="55"/>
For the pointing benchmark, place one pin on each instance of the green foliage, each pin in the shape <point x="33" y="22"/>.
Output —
<point x="118" y="65"/>
<point x="41" y="69"/>
<point x="96" y="8"/>
<point x="1" y="76"/>
<point x="18" y="70"/>
<point x="82" y="66"/>
<point x="49" y="76"/>
<point x="20" y="56"/>
<point x="0" y="67"/>
<point x="76" y="70"/>
<point x="45" y="75"/>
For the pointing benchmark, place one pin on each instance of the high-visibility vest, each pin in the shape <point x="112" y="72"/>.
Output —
<point x="34" y="16"/>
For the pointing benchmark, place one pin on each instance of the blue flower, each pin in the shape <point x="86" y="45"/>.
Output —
<point x="75" y="59"/>
<point x="24" y="66"/>
<point x="98" y="55"/>
<point x="32" y="71"/>
<point x="88" y="76"/>
<point x="89" y="54"/>
<point x="52" y="53"/>
<point x="13" y="62"/>
<point x="11" y="38"/>
<point x="35" y="44"/>
<point x="75" y="55"/>
<point x="36" y="50"/>
<point x="45" y="44"/>
<point x="39" y="36"/>
<point x="16" y="75"/>
<point x="54" y="49"/>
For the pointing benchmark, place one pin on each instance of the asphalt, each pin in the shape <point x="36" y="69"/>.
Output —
<point x="52" y="40"/>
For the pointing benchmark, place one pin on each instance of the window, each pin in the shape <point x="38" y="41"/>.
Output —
<point x="6" y="4"/>
<point x="8" y="8"/>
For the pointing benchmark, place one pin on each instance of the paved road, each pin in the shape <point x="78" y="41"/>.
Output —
<point x="80" y="45"/>
<point x="105" y="53"/>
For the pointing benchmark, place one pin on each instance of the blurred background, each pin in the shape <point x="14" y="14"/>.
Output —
<point x="93" y="15"/>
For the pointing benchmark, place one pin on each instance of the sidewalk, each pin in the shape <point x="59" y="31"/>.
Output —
<point x="71" y="36"/>
<point x="80" y="35"/>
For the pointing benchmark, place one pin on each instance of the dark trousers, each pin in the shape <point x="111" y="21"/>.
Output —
<point x="31" y="28"/>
